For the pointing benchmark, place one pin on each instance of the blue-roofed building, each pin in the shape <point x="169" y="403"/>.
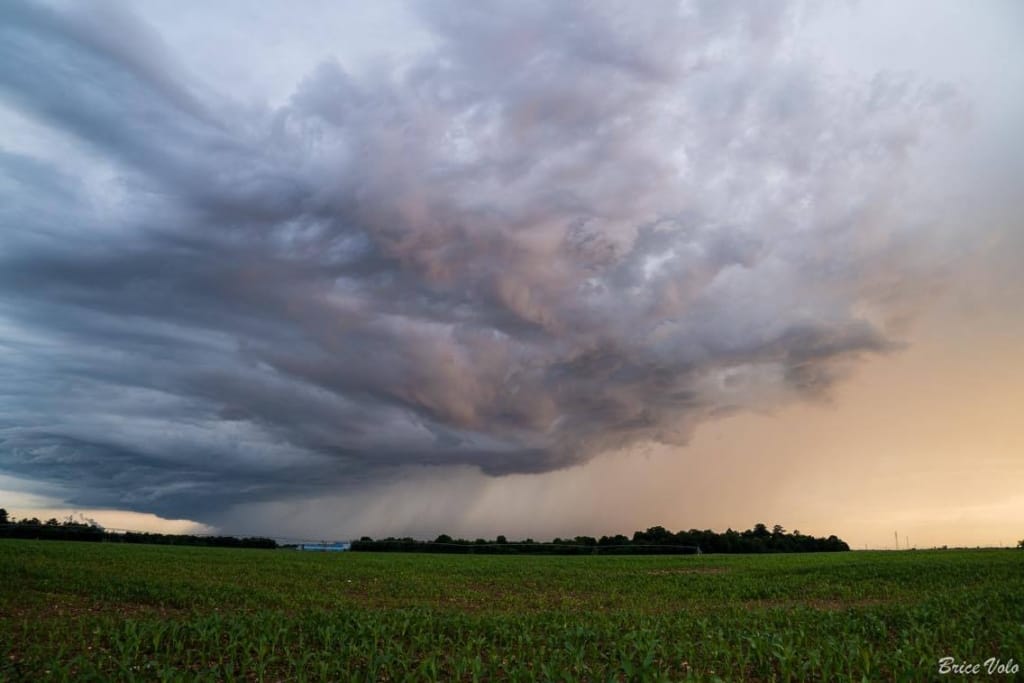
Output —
<point x="336" y="547"/>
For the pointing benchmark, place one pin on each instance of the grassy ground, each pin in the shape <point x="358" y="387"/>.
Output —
<point x="102" y="611"/>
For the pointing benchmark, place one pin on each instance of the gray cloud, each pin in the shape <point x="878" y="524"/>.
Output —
<point x="564" y="229"/>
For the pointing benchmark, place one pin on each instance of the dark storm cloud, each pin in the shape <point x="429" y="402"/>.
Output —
<point x="567" y="228"/>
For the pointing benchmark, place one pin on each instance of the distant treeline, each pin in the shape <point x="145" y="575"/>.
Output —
<point x="72" y="530"/>
<point x="655" y="541"/>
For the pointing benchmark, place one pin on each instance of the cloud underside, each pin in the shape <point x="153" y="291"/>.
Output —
<point x="563" y="229"/>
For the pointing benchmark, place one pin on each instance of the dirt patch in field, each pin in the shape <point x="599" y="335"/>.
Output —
<point x="61" y="606"/>
<point x="688" y="570"/>
<point x="820" y="604"/>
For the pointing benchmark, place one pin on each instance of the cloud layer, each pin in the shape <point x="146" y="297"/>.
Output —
<point x="563" y="229"/>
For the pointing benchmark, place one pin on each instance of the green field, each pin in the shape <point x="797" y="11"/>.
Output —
<point x="103" y="611"/>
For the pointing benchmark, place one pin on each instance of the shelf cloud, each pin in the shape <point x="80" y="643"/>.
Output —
<point x="557" y="230"/>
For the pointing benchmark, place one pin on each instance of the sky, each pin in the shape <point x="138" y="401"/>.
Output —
<point x="333" y="269"/>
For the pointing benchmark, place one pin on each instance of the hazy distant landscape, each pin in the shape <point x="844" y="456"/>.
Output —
<point x="80" y="611"/>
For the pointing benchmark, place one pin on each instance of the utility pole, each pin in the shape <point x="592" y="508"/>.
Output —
<point x="896" y="535"/>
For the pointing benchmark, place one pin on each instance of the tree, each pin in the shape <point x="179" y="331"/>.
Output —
<point x="655" y="534"/>
<point x="1020" y="544"/>
<point x="3" y="516"/>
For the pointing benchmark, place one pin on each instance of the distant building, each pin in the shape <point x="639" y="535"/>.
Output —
<point x="336" y="547"/>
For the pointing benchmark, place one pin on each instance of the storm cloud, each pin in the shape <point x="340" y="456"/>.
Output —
<point x="561" y="229"/>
